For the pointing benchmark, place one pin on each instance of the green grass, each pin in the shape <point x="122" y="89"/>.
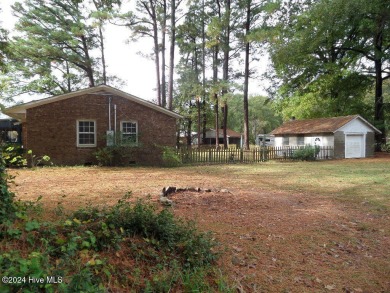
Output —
<point x="358" y="181"/>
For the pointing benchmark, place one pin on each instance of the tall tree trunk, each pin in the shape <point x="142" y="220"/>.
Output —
<point x="216" y="102"/>
<point x="215" y="80"/>
<point x="172" y="54"/>
<point x="246" y="77"/>
<point x="197" y="98"/>
<point x="189" y="139"/>
<point x="189" y="130"/>
<point x="156" y="52"/>
<point x="102" y="54"/>
<point x="379" y="112"/>
<point x="204" y="74"/>
<point x="204" y="123"/>
<point x="198" y="132"/>
<point x="225" y="117"/>
<point x="163" y="36"/>
<point x="88" y="62"/>
<point x="69" y="82"/>
<point x="226" y="52"/>
<point x="379" y="116"/>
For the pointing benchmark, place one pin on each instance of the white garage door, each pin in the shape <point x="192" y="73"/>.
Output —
<point x="354" y="146"/>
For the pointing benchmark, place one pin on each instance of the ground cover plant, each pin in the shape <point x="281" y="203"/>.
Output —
<point x="283" y="227"/>
<point x="126" y="247"/>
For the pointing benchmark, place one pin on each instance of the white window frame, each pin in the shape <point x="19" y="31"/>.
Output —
<point x="136" y="129"/>
<point x="286" y="140"/>
<point x="300" y="137"/>
<point x="82" y="145"/>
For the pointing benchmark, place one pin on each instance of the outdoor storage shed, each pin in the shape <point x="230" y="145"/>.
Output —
<point x="72" y="127"/>
<point x="350" y="136"/>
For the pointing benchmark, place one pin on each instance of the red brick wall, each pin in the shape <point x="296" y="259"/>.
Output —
<point x="51" y="129"/>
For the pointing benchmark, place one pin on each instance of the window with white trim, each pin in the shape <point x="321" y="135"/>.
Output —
<point x="300" y="140"/>
<point x="129" y="131"/>
<point x="286" y="140"/>
<point x="86" y="133"/>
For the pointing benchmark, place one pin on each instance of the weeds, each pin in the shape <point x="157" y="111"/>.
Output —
<point x="76" y="254"/>
<point x="164" y="252"/>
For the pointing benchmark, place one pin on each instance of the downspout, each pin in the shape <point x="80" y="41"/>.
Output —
<point x="115" y="119"/>
<point x="109" y="113"/>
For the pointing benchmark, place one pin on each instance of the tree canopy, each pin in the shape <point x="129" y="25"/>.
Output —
<point x="328" y="54"/>
<point x="328" y="57"/>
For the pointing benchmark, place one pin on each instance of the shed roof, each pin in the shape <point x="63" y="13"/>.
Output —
<point x="19" y="111"/>
<point x="319" y="125"/>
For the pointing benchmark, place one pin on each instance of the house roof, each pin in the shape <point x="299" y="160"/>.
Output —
<point x="229" y="133"/>
<point x="19" y="111"/>
<point x="319" y="125"/>
<point x="9" y="124"/>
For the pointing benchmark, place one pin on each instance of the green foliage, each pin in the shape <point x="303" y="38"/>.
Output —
<point x="13" y="155"/>
<point x="163" y="230"/>
<point x="317" y="62"/>
<point x="37" y="160"/>
<point x="120" y="153"/>
<point x="8" y="208"/>
<point x="306" y="153"/>
<point x="105" y="156"/>
<point x="116" y="155"/>
<point x="167" y="252"/>
<point x="24" y="269"/>
<point x="262" y="117"/>
<point x="170" y="157"/>
<point x="385" y="147"/>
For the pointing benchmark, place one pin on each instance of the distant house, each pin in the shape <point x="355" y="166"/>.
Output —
<point x="265" y="140"/>
<point x="350" y="136"/>
<point x="10" y="131"/>
<point x="71" y="127"/>
<point x="233" y="137"/>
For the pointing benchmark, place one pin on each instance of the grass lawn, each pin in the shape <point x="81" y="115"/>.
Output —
<point x="283" y="227"/>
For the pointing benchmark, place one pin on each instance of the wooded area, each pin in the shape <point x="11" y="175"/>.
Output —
<point x="328" y="57"/>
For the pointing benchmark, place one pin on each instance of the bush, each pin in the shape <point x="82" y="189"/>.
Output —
<point x="162" y="253"/>
<point x="36" y="161"/>
<point x="13" y="155"/>
<point x="385" y="147"/>
<point x="307" y="153"/>
<point x="170" y="157"/>
<point x="116" y="155"/>
<point x="7" y="205"/>
<point x="105" y="156"/>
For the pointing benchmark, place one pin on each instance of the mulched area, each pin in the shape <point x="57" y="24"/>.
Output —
<point x="278" y="242"/>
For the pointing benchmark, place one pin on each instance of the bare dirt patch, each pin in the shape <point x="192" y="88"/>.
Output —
<point x="278" y="242"/>
<point x="272" y="238"/>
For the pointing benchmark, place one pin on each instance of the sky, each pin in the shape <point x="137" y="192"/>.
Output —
<point x="123" y="60"/>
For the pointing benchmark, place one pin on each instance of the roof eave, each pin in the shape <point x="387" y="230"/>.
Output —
<point x="21" y="109"/>
<point x="364" y="121"/>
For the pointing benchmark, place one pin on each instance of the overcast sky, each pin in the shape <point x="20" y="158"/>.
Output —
<point x="123" y="61"/>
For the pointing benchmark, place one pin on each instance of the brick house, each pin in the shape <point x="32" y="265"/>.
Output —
<point x="349" y="136"/>
<point x="71" y="127"/>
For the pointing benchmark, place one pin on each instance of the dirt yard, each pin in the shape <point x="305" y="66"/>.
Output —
<point x="282" y="227"/>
